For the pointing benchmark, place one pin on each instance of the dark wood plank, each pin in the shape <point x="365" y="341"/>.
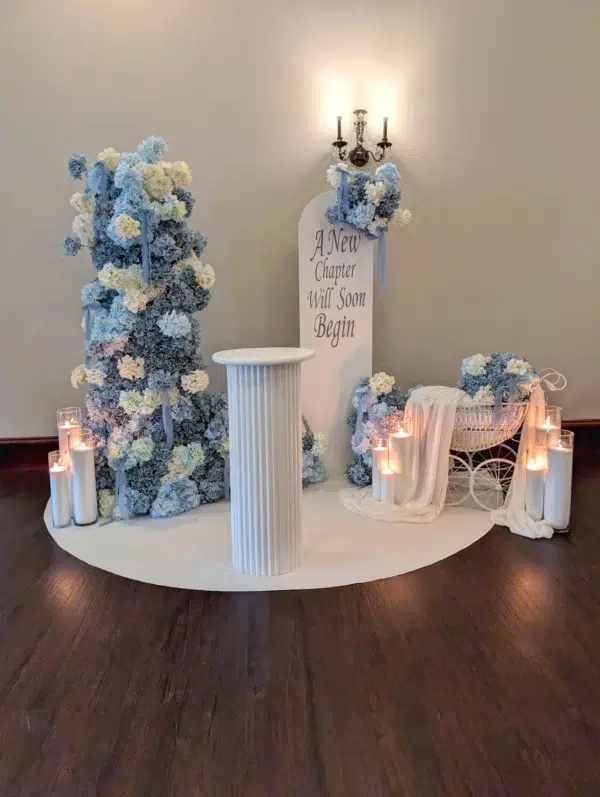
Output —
<point x="475" y="676"/>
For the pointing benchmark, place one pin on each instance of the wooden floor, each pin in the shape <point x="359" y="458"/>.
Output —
<point x="476" y="676"/>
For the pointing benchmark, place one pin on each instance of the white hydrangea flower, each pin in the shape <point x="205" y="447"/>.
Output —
<point x="475" y="365"/>
<point x="319" y="444"/>
<point x="402" y="216"/>
<point x="78" y="376"/>
<point x="195" y="382"/>
<point x="131" y="367"/>
<point x="375" y="192"/>
<point x="378" y="223"/>
<point x="174" y="396"/>
<point x="518" y="367"/>
<point x="127" y="227"/>
<point x="83" y="203"/>
<point x="333" y="176"/>
<point x="485" y="395"/>
<point x="105" y="502"/>
<point x="110" y="158"/>
<point x="95" y="376"/>
<point x="83" y="229"/>
<point x="131" y="401"/>
<point x="381" y="383"/>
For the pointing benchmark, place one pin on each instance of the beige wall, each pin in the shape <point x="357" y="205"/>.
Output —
<point x="496" y="122"/>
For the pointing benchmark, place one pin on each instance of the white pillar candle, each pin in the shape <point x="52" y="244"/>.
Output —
<point x="387" y="482"/>
<point x="400" y="445"/>
<point x="83" y="470"/>
<point x="557" y="498"/>
<point x="380" y="461"/>
<point x="59" y="491"/>
<point x="534" y="497"/>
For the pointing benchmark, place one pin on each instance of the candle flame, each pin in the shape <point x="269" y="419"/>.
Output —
<point x="548" y="421"/>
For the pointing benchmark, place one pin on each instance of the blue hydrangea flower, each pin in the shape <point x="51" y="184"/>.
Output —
<point x="77" y="166"/>
<point x="71" y="245"/>
<point x="152" y="149"/>
<point x="361" y="215"/>
<point x="176" y="495"/>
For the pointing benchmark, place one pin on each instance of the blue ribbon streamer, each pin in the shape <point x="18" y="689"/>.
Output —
<point x="119" y="498"/>
<point x="342" y="195"/>
<point x="365" y="405"/>
<point x="167" y="417"/>
<point x="145" y="245"/>
<point x="512" y="383"/>
<point x="381" y="261"/>
<point x="87" y="326"/>
<point x="97" y="182"/>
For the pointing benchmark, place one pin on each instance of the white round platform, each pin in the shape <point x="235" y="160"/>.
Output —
<point x="192" y="551"/>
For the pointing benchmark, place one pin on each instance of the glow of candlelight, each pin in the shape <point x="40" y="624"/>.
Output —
<point x="56" y="468"/>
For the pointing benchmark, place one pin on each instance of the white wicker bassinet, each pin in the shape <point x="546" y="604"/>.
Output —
<point x="475" y="430"/>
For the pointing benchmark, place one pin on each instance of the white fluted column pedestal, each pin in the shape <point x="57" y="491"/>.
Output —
<point x="265" y="451"/>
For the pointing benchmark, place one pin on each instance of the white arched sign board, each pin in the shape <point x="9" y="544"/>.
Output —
<point x="336" y="321"/>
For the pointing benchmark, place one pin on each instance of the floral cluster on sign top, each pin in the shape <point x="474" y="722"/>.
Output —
<point x="366" y="201"/>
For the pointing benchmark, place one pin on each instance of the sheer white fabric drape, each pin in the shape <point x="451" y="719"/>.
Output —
<point x="431" y="411"/>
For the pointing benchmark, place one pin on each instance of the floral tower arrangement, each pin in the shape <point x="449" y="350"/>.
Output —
<point x="161" y="437"/>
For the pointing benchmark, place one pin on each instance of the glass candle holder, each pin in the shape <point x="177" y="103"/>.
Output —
<point x="59" y="491"/>
<point x="67" y="418"/>
<point x="83" y="475"/>
<point x="559" y="479"/>
<point x="549" y="419"/>
<point x="536" y="465"/>
<point x="400" y="444"/>
<point x="380" y="462"/>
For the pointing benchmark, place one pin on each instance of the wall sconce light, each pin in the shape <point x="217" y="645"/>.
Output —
<point x="359" y="155"/>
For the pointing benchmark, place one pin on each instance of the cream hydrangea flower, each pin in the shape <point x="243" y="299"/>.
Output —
<point x="375" y="192"/>
<point x="110" y="158"/>
<point x="156" y="180"/>
<point x="131" y="367"/>
<point x="151" y="400"/>
<point x="319" y="444"/>
<point x="116" y="445"/>
<point x="174" y="395"/>
<point x="78" y="376"/>
<point x="475" y="365"/>
<point x="184" y="460"/>
<point x="105" y="502"/>
<point x="223" y="448"/>
<point x="403" y="216"/>
<point x="180" y="173"/>
<point x="205" y="275"/>
<point x="131" y="401"/>
<point x="83" y="229"/>
<point x="135" y="300"/>
<point x="518" y="367"/>
<point x="141" y="450"/>
<point x="195" y="382"/>
<point x="95" y="376"/>
<point x="127" y="227"/>
<point x="82" y="203"/>
<point x="381" y="383"/>
<point x="112" y="277"/>
<point x="485" y="395"/>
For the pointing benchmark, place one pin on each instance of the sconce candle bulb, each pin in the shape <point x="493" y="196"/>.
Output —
<point x="359" y="155"/>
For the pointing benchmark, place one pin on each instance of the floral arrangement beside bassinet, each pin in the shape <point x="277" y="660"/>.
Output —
<point x="497" y="388"/>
